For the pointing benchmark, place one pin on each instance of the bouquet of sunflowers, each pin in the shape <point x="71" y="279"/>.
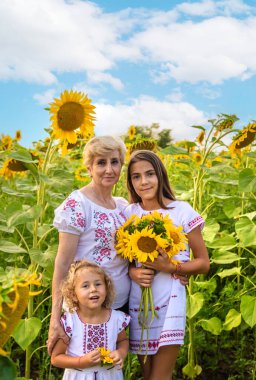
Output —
<point x="139" y="239"/>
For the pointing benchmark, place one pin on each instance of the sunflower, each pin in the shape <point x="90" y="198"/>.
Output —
<point x="6" y="142"/>
<point x="71" y="112"/>
<point x="243" y="139"/>
<point x="197" y="158"/>
<point x="177" y="238"/>
<point x="104" y="356"/>
<point x="200" y="137"/>
<point x="18" y="135"/>
<point x="131" y="132"/>
<point x="145" y="243"/>
<point x="225" y="122"/>
<point x="12" y="166"/>
<point x="81" y="174"/>
<point x="147" y="144"/>
<point x="14" y="296"/>
<point x="123" y="246"/>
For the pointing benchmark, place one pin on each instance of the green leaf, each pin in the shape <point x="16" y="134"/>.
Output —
<point x="198" y="127"/>
<point x="15" y="193"/>
<point x="26" y="331"/>
<point x="225" y="242"/>
<point x="209" y="286"/>
<point x="194" y="304"/>
<point x="172" y="149"/>
<point x="247" y="181"/>
<point x="231" y="211"/>
<point x="246" y="232"/>
<point x="21" y="217"/>
<point x="212" y="325"/>
<point x="7" y="368"/>
<point x="248" y="310"/>
<point x="44" y="259"/>
<point x="225" y="257"/>
<point x="233" y="319"/>
<point x="230" y="272"/>
<point x="210" y="230"/>
<point x="22" y="155"/>
<point x="9" y="247"/>
<point x="191" y="371"/>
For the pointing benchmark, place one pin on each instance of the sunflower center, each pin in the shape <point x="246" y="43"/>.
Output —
<point x="175" y="237"/>
<point x="16" y="166"/>
<point x="70" y="116"/>
<point x="248" y="140"/>
<point x="147" y="244"/>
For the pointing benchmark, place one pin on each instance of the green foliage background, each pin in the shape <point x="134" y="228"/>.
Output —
<point x="221" y="307"/>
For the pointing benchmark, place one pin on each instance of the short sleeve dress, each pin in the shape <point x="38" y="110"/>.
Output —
<point x="85" y="337"/>
<point x="168" y="293"/>
<point x="96" y="227"/>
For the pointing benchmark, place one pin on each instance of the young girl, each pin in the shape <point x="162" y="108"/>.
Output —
<point x="149" y="190"/>
<point x="90" y="324"/>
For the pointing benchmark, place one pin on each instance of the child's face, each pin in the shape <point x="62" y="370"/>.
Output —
<point x="144" y="180"/>
<point x="90" y="289"/>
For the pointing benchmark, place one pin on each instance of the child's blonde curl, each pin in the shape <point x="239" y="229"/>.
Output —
<point x="68" y="285"/>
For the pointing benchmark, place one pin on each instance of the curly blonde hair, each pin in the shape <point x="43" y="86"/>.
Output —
<point x="68" y="285"/>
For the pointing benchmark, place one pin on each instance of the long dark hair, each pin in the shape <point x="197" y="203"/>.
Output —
<point x="164" y="188"/>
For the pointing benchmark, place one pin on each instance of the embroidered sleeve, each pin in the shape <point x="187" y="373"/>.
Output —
<point x="67" y="323"/>
<point x="70" y="217"/>
<point x="123" y="321"/>
<point x="191" y="219"/>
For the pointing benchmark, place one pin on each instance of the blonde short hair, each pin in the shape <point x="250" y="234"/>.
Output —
<point x="68" y="286"/>
<point x="99" y="146"/>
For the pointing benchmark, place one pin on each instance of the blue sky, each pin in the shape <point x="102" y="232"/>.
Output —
<point x="177" y="63"/>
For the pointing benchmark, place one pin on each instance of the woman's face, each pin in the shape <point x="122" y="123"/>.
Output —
<point x="105" y="170"/>
<point x="144" y="180"/>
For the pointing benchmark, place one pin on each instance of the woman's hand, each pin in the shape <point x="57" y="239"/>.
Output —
<point x="142" y="276"/>
<point x="161" y="263"/>
<point x="56" y="332"/>
<point x="183" y="278"/>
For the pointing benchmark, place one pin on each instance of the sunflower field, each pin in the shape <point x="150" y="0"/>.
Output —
<point x="216" y="178"/>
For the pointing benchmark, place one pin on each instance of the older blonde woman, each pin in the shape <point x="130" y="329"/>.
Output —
<point x="87" y="221"/>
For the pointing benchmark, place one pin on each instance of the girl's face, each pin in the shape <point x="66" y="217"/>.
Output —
<point x="90" y="289"/>
<point x="105" y="170"/>
<point x="144" y="180"/>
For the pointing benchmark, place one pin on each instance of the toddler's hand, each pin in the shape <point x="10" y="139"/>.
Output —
<point x="91" y="359"/>
<point x="118" y="360"/>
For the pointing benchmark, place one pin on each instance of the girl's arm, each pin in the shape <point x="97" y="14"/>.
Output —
<point x="61" y="360"/>
<point x="122" y="346"/>
<point x="65" y="256"/>
<point x="142" y="276"/>
<point x="200" y="264"/>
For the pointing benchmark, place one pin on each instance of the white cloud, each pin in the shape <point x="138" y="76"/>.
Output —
<point x="46" y="97"/>
<point x="178" y="116"/>
<point x="39" y="40"/>
<point x="96" y="77"/>
<point x="212" y="50"/>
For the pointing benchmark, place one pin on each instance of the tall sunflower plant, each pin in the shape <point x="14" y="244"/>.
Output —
<point x="140" y="240"/>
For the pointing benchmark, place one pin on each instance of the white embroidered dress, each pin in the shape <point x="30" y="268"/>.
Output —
<point x="96" y="227"/>
<point x="85" y="337"/>
<point x="168" y="294"/>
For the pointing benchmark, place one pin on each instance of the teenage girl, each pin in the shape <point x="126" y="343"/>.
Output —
<point x="90" y="324"/>
<point x="149" y="190"/>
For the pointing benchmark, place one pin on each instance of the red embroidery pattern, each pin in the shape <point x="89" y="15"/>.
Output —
<point x="95" y="336"/>
<point x="171" y="336"/>
<point x="195" y="221"/>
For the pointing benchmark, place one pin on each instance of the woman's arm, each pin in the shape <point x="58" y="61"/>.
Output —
<point x="61" y="360"/>
<point x="121" y="351"/>
<point x="200" y="264"/>
<point x="65" y="256"/>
